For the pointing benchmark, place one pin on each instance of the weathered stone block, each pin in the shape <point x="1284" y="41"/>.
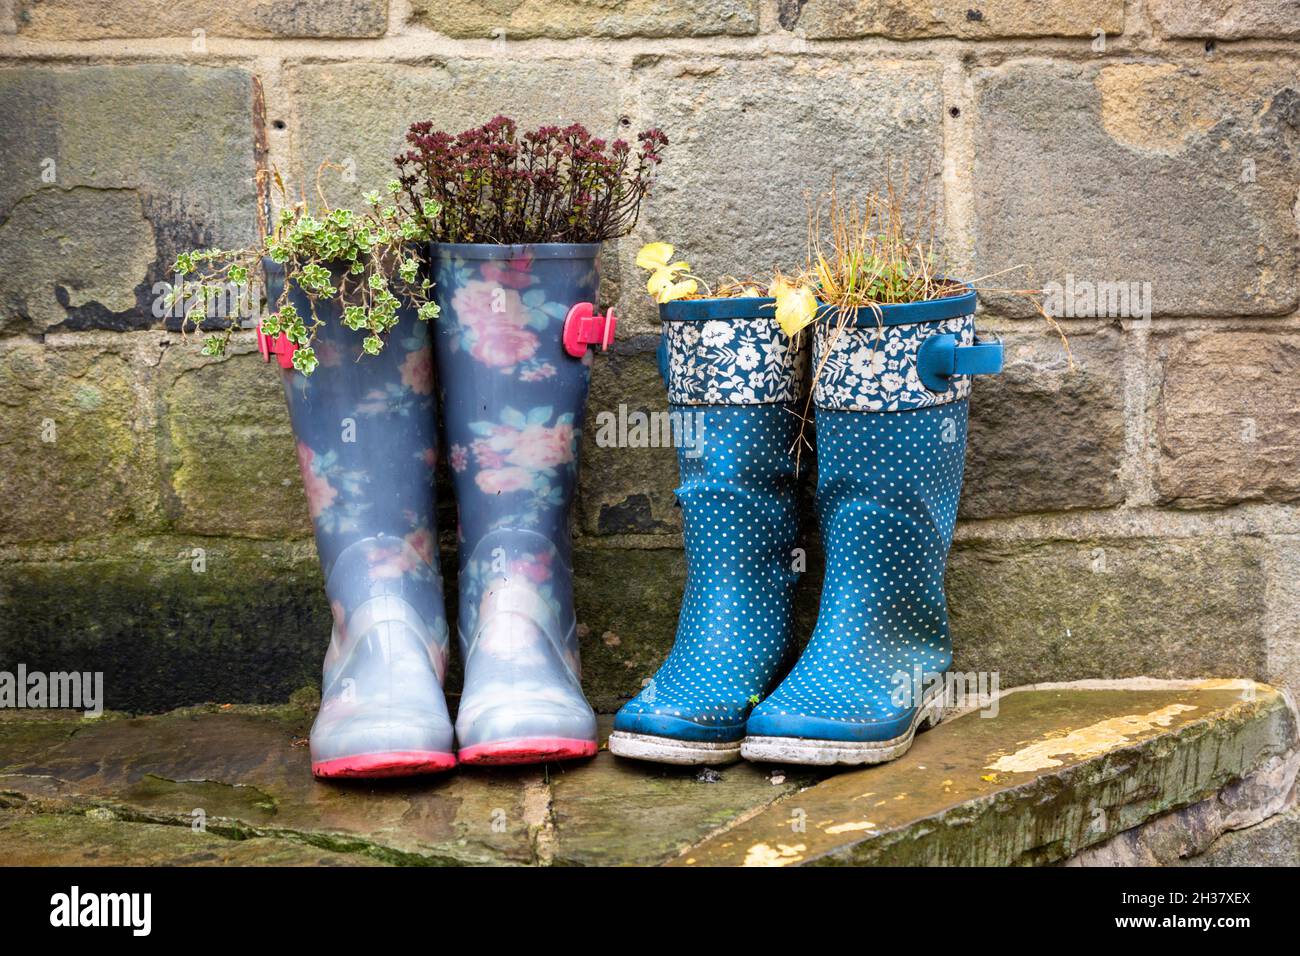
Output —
<point x="1227" y="417"/>
<point x="626" y="484"/>
<point x="1110" y="608"/>
<point x="751" y="139"/>
<point x="1055" y="771"/>
<point x="110" y="171"/>
<point x="506" y="20"/>
<point x="1181" y="177"/>
<point x="627" y="602"/>
<point x="66" y="250"/>
<point x="1043" y="437"/>
<point x="97" y="19"/>
<point x="170" y="621"/>
<point x="249" y="770"/>
<point x="356" y="114"/>
<point x="1275" y="842"/>
<point x="914" y="19"/>
<point x="1226" y="19"/>
<point x="227" y="447"/>
<point x="1281" y="636"/>
<point x="1188" y="832"/>
<point x="75" y="457"/>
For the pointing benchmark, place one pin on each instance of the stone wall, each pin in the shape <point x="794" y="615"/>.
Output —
<point x="1135" y="515"/>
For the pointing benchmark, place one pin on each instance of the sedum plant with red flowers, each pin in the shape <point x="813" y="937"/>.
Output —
<point x="492" y="184"/>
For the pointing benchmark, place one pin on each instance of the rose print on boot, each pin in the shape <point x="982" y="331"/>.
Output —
<point x="512" y="404"/>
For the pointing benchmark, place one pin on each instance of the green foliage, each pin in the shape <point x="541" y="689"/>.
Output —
<point x="370" y="263"/>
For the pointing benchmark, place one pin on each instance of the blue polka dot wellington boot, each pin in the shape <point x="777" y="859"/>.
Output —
<point x="891" y="397"/>
<point x="733" y="378"/>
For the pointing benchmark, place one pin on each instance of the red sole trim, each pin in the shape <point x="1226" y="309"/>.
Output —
<point x="401" y="763"/>
<point x="528" y="750"/>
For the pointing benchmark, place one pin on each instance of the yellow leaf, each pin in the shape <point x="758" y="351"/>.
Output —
<point x="654" y="255"/>
<point x="665" y="275"/>
<point x="658" y="279"/>
<point x="683" y="289"/>
<point x="676" y="290"/>
<point x="795" y="308"/>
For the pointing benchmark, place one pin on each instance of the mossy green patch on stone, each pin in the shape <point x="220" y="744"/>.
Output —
<point x="1060" y="610"/>
<point x="69" y="839"/>
<point x="247" y="773"/>
<point x="228" y="449"/>
<point x="171" y="621"/>
<point x="74" y="458"/>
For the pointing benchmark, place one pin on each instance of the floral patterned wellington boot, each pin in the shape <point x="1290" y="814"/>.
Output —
<point x="366" y="438"/>
<point x="732" y="378"/>
<point x="514" y="371"/>
<point x="891" y="402"/>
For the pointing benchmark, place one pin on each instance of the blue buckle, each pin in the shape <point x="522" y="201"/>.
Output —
<point x="940" y="358"/>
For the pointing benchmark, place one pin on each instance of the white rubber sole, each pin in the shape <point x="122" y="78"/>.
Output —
<point x="668" y="750"/>
<point x="828" y="753"/>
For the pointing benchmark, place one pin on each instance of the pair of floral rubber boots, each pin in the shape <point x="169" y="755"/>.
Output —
<point x="891" y="403"/>
<point x="513" y="391"/>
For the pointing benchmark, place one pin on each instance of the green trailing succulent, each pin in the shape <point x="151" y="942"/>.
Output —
<point x="371" y="263"/>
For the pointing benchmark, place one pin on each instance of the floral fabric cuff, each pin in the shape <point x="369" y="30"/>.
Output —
<point x="873" y="368"/>
<point x="733" y="361"/>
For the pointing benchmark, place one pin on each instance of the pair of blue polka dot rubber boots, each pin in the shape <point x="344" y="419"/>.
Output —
<point x="891" y="395"/>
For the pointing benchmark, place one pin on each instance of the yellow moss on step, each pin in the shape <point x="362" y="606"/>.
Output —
<point x="760" y="854"/>
<point x="851" y="827"/>
<point x="1087" y="741"/>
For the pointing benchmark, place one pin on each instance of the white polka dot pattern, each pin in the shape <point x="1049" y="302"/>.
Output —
<point x="734" y="631"/>
<point x="737" y="497"/>
<point x="887" y="492"/>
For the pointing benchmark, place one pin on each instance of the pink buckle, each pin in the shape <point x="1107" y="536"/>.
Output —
<point x="280" y="346"/>
<point x="584" y="326"/>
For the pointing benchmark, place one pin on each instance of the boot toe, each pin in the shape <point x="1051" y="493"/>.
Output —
<point x="703" y="728"/>
<point x="527" y="731"/>
<point x="774" y="721"/>
<point x="682" y="718"/>
<point x="388" y="744"/>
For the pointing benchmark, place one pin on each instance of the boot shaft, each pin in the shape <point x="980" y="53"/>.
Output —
<point x="513" y="400"/>
<point x="734" y="381"/>
<point x="366" y="436"/>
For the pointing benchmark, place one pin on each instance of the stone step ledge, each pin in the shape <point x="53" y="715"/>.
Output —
<point x="1107" y="773"/>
